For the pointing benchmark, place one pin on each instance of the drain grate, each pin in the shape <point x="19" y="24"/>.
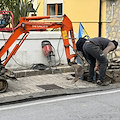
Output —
<point x="49" y="87"/>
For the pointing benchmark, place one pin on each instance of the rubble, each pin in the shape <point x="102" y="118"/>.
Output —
<point x="114" y="63"/>
<point x="114" y="69"/>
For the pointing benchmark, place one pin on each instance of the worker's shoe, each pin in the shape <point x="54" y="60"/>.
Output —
<point x="90" y="79"/>
<point x="102" y="83"/>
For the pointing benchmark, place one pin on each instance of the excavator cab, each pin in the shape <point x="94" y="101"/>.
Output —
<point x="5" y="18"/>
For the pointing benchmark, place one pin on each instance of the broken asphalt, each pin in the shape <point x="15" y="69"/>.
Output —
<point x="32" y="84"/>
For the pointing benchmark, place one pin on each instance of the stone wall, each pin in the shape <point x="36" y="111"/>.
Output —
<point x="113" y="23"/>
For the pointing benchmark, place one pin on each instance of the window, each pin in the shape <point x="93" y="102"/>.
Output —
<point x="54" y="9"/>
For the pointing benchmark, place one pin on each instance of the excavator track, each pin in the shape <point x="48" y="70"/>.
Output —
<point x="3" y="85"/>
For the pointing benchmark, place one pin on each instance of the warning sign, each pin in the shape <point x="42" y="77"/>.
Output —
<point x="64" y="34"/>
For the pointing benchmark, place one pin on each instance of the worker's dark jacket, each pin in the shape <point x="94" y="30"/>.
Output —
<point x="101" y="42"/>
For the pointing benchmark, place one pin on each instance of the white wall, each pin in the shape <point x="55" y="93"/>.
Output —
<point x="31" y="50"/>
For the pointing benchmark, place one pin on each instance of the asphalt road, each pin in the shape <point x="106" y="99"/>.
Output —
<point x="103" y="105"/>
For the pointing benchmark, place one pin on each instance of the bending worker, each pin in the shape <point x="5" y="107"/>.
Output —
<point x="97" y="49"/>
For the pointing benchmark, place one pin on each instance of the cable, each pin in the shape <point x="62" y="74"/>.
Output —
<point x="58" y="51"/>
<point x="27" y="67"/>
<point x="59" y="62"/>
<point x="3" y="46"/>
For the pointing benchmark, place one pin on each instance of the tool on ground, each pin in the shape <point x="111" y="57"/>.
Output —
<point x="79" y="71"/>
<point x="47" y="49"/>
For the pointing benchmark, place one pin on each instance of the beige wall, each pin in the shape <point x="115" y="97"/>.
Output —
<point x="85" y="11"/>
<point x="40" y="11"/>
<point x="103" y="18"/>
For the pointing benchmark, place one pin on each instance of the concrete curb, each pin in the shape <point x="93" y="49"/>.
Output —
<point x="55" y="92"/>
<point x="26" y="73"/>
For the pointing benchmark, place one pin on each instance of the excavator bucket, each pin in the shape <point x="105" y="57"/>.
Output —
<point x="79" y="70"/>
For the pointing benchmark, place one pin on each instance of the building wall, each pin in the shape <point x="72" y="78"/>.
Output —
<point x="103" y="17"/>
<point x="112" y="18"/>
<point x="113" y="21"/>
<point x="85" y="11"/>
<point x="41" y="10"/>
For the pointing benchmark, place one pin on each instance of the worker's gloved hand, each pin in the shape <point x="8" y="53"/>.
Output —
<point x="96" y="67"/>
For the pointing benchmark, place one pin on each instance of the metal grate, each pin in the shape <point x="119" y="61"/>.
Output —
<point x="49" y="87"/>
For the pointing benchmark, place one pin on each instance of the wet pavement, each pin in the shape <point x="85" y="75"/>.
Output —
<point x="32" y="84"/>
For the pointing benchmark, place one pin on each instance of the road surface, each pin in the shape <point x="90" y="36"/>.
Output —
<point x="104" y="105"/>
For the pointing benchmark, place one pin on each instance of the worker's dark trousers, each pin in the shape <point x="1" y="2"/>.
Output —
<point x="94" y="52"/>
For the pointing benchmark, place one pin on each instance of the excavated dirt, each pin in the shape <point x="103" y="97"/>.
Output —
<point x="112" y="73"/>
<point x="108" y="77"/>
<point x="114" y="69"/>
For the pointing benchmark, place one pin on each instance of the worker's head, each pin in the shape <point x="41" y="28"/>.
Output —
<point x="115" y="43"/>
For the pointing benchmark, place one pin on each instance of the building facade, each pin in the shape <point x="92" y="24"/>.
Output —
<point x="100" y="18"/>
<point x="84" y="11"/>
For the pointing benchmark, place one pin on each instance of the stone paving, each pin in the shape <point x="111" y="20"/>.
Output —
<point x="30" y="84"/>
<point x="34" y="87"/>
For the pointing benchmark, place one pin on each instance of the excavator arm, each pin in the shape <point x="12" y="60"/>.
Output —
<point x="25" y="25"/>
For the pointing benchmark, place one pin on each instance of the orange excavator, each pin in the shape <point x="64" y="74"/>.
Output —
<point x="27" y="24"/>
